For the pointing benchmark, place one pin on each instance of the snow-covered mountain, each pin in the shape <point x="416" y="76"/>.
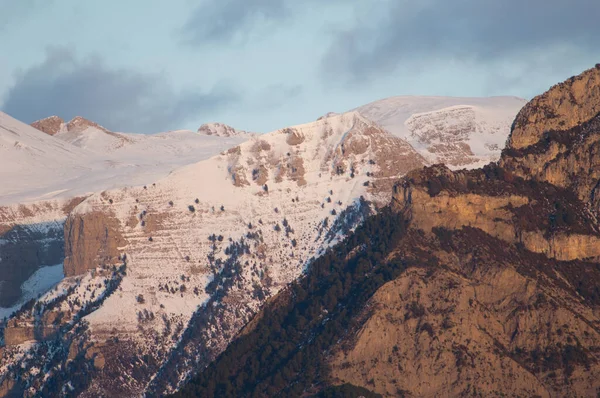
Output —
<point x="460" y="132"/>
<point x="187" y="234"/>
<point x="45" y="174"/>
<point x="207" y="245"/>
<point x="34" y="164"/>
<point x="81" y="157"/>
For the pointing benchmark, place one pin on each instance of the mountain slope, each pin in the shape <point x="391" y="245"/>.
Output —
<point x="82" y="157"/>
<point x="473" y="283"/>
<point x="45" y="175"/>
<point x="171" y="271"/>
<point x="459" y="132"/>
<point x="33" y="161"/>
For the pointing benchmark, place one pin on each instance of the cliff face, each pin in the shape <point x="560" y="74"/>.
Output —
<point x="478" y="317"/>
<point x="556" y="138"/>
<point x="539" y="216"/>
<point x="563" y="107"/>
<point x="92" y="239"/>
<point x="512" y="305"/>
<point x="23" y="250"/>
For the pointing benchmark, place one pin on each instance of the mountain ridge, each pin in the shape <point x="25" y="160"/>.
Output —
<point x="478" y="282"/>
<point x="174" y="266"/>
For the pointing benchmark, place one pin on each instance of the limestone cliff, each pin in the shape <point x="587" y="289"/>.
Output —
<point x="537" y="215"/>
<point x="563" y="107"/>
<point x="556" y="138"/>
<point x="91" y="240"/>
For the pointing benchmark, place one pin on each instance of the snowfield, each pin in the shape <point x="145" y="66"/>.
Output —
<point x="37" y="166"/>
<point x="460" y="132"/>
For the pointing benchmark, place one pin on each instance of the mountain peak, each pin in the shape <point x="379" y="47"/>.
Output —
<point x="562" y="107"/>
<point x="79" y="123"/>
<point x="50" y="125"/>
<point x="220" y="130"/>
<point x="53" y="125"/>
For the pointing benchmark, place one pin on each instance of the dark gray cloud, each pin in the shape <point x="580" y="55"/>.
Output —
<point x="218" y="21"/>
<point x="119" y="99"/>
<point x="409" y="32"/>
<point x="225" y="20"/>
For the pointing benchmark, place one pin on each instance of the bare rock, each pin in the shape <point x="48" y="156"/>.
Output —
<point x="91" y="240"/>
<point x="50" y="125"/>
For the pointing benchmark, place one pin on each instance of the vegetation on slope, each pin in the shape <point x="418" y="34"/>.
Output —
<point x="282" y="353"/>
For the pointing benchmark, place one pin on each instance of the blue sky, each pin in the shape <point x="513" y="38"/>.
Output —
<point x="149" y="66"/>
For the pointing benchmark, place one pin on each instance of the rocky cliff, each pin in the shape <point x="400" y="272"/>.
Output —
<point x="91" y="240"/>
<point x="555" y="138"/>
<point x="512" y="305"/>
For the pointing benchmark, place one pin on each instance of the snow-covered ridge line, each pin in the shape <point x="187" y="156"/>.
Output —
<point x="460" y="132"/>
<point x="83" y="157"/>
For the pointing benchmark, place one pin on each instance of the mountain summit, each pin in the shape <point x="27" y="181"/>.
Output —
<point x="459" y="132"/>
<point x="54" y="125"/>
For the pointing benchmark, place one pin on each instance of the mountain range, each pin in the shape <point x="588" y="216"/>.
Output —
<point x="131" y="262"/>
<point x="478" y="282"/>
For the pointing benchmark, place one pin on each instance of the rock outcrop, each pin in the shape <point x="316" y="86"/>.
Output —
<point x="563" y="107"/>
<point x="50" y="125"/>
<point x="53" y="125"/>
<point x="92" y="240"/>
<point x="564" y="150"/>
<point x="220" y="130"/>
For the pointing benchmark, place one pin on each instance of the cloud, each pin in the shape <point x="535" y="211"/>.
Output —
<point x="119" y="99"/>
<point x="276" y="96"/>
<point x="225" y="20"/>
<point x="13" y="11"/>
<point x="410" y="33"/>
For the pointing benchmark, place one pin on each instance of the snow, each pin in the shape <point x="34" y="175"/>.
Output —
<point x="183" y="233"/>
<point x="39" y="283"/>
<point x="486" y="121"/>
<point x="35" y="166"/>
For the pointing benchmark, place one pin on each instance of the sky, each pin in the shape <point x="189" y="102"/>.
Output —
<point x="260" y="65"/>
